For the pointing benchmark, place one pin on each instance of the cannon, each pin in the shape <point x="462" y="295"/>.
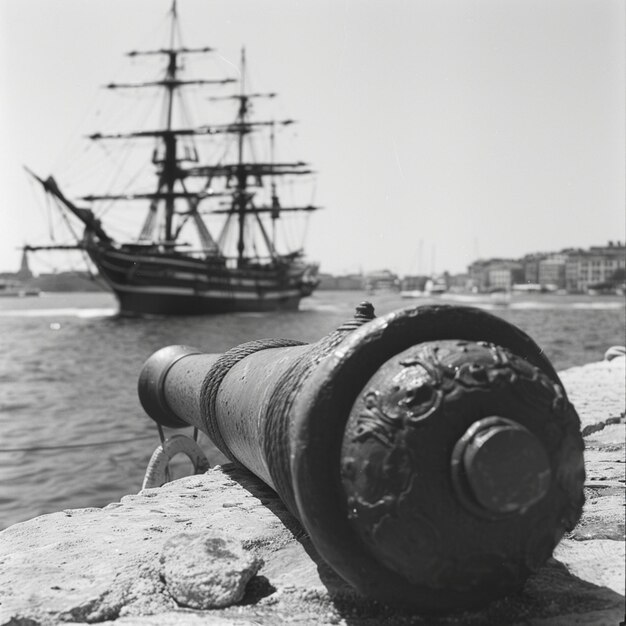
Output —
<point x="431" y="454"/>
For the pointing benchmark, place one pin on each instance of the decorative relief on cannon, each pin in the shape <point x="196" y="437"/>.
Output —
<point x="450" y="435"/>
<point x="431" y="454"/>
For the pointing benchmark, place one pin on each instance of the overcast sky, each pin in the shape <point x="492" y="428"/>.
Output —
<point x="442" y="130"/>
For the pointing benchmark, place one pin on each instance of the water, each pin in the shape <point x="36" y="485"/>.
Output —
<point x="69" y="369"/>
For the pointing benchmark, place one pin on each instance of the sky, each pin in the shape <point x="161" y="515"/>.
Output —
<point x="441" y="131"/>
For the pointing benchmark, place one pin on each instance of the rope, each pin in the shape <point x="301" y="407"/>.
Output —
<point x="275" y="432"/>
<point x="275" y="436"/>
<point x="215" y="376"/>
<point x="77" y="445"/>
<point x="157" y="472"/>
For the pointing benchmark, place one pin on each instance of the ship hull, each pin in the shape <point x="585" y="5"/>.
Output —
<point x="149" y="283"/>
<point x="137" y="302"/>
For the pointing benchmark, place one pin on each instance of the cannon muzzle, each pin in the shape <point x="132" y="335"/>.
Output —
<point x="431" y="454"/>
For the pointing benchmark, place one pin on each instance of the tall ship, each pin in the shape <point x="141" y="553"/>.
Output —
<point x="210" y="239"/>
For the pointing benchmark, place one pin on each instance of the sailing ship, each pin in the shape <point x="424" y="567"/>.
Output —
<point x="159" y="271"/>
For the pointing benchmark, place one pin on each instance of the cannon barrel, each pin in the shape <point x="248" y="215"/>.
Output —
<point x="431" y="454"/>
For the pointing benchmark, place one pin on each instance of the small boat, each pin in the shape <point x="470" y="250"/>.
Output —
<point x="177" y="263"/>
<point x="436" y="286"/>
<point x="433" y="286"/>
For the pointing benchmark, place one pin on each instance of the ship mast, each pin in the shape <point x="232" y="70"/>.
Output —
<point x="175" y="167"/>
<point x="242" y="198"/>
<point x="241" y="195"/>
<point x="243" y="169"/>
<point x="170" y="173"/>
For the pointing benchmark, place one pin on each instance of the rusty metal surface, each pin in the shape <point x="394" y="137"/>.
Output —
<point x="431" y="454"/>
<point x="156" y="394"/>
<point x="244" y="402"/>
<point x="445" y="494"/>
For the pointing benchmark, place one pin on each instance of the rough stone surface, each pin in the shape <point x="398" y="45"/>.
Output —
<point x="597" y="392"/>
<point x="204" y="571"/>
<point x="104" y="565"/>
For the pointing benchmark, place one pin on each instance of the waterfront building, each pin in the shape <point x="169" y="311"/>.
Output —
<point x="551" y="272"/>
<point x="348" y="282"/>
<point x="414" y="283"/>
<point x="600" y="268"/>
<point x="57" y="281"/>
<point x="458" y="282"/>
<point x="495" y="274"/>
<point x="504" y="275"/>
<point x="381" y="280"/>
<point x="530" y="263"/>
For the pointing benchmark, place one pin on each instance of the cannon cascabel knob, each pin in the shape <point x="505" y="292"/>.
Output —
<point x="500" y="468"/>
<point x="431" y="454"/>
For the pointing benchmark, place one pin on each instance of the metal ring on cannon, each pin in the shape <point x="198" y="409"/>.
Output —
<point x="431" y="454"/>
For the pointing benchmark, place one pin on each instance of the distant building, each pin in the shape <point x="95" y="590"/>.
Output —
<point x="413" y="283"/>
<point x="505" y="275"/>
<point x="600" y="268"/>
<point x="530" y="263"/>
<point x="68" y="281"/>
<point x="458" y="282"/>
<point x="495" y="274"/>
<point x="381" y="280"/>
<point x="24" y="272"/>
<point x="478" y="273"/>
<point x="552" y="270"/>
<point x="347" y="283"/>
<point x="58" y="281"/>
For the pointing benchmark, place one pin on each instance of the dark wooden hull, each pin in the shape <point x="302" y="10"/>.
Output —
<point x="149" y="282"/>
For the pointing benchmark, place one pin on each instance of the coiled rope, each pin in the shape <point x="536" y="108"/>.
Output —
<point x="215" y="376"/>
<point x="275" y="436"/>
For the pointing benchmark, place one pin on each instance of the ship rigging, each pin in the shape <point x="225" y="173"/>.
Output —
<point x="238" y="267"/>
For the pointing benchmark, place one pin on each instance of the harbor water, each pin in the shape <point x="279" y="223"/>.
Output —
<point x="72" y="432"/>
